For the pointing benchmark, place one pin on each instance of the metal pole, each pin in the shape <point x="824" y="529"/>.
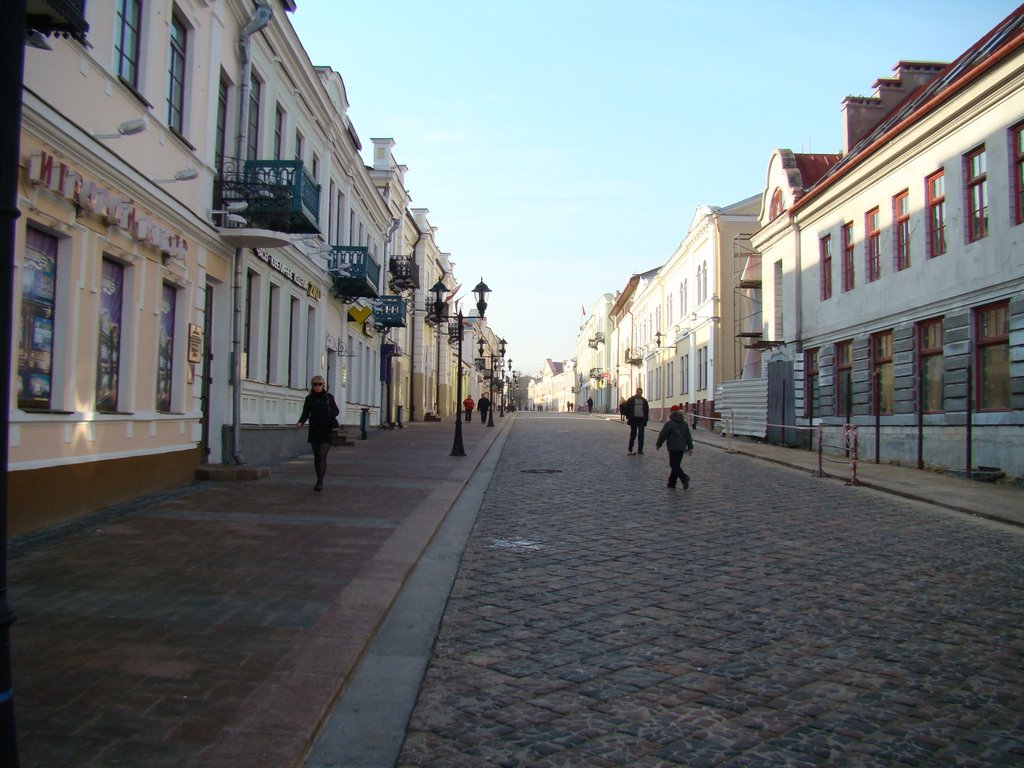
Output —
<point x="970" y="396"/>
<point x="12" y="65"/>
<point x="490" y="395"/>
<point x="878" y="416"/>
<point x="920" y="418"/>
<point x="457" y="448"/>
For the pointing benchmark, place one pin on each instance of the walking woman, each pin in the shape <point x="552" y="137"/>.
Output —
<point x="320" y="410"/>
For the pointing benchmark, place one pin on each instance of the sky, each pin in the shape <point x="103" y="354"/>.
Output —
<point x="562" y="146"/>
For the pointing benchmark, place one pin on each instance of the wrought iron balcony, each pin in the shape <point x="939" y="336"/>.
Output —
<point x="634" y="357"/>
<point x="404" y="273"/>
<point x="597" y="373"/>
<point x="389" y="311"/>
<point x="355" y="274"/>
<point x="280" y="194"/>
<point x="64" y="18"/>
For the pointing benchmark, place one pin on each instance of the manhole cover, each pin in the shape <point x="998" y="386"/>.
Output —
<point x="540" y="471"/>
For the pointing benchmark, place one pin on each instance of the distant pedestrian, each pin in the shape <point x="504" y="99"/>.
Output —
<point x="676" y="432"/>
<point x="468" y="404"/>
<point x="622" y="411"/>
<point x="484" y="405"/>
<point x="590" y="405"/>
<point x="637" y="412"/>
<point x="320" y="410"/>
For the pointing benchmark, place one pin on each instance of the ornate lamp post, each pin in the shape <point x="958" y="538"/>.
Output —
<point x="456" y="334"/>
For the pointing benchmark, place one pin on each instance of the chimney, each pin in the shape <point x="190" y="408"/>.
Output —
<point x="382" y="158"/>
<point x="862" y="114"/>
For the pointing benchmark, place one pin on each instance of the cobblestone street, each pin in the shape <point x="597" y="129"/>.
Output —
<point x="764" y="617"/>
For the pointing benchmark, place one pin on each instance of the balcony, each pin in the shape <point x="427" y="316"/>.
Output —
<point x="404" y="273"/>
<point x="389" y="311"/>
<point x="597" y="373"/>
<point x="355" y="274"/>
<point x="280" y="195"/>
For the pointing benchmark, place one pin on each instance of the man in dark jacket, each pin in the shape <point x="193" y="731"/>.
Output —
<point x="483" y="405"/>
<point x="676" y="432"/>
<point x="637" y="412"/>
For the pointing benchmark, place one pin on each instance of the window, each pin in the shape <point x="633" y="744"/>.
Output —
<point x="684" y="289"/>
<point x="882" y="370"/>
<point x="811" y="408"/>
<point x="702" y="368"/>
<point x="38" y="306"/>
<point x="901" y="228"/>
<point x="670" y="378"/>
<point x="278" y="133"/>
<point x="930" y="365"/>
<point x="992" y="352"/>
<point x="848" y="277"/>
<point x="165" y="349"/>
<point x="778" y="206"/>
<point x="316" y="167"/>
<point x="872" y="234"/>
<point x="684" y="376"/>
<point x="176" y="75"/>
<point x="108" y="357"/>
<point x="300" y="146"/>
<point x="844" y="378"/>
<point x="936" y="193"/>
<point x="825" y="267"/>
<point x="273" y="335"/>
<point x="252" y="141"/>
<point x="221" y="139"/>
<point x="668" y="310"/>
<point x="129" y="22"/>
<point x="248" y="335"/>
<point x="977" y="195"/>
<point x="1017" y="157"/>
<point x="704" y="283"/>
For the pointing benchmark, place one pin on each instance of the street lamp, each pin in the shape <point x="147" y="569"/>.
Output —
<point x="493" y="367"/>
<point x="436" y="311"/>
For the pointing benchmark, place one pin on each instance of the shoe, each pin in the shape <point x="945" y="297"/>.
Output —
<point x="318" y="487"/>
<point x="670" y="485"/>
<point x="686" y="482"/>
<point x="630" y="451"/>
<point x="639" y="453"/>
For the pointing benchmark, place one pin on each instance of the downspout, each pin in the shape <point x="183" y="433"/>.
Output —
<point x="260" y="19"/>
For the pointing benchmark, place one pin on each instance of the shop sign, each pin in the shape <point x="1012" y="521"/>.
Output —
<point x="195" y="343"/>
<point x="275" y="263"/>
<point x="45" y="170"/>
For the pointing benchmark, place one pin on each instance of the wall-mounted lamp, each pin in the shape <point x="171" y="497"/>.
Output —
<point x="36" y="39"/>
<point x="184" y="175"/>
<point x="127" y="128"/>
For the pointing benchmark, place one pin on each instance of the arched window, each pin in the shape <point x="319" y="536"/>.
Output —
<point x="683" y="289"/>
<point x="778" y="207"/>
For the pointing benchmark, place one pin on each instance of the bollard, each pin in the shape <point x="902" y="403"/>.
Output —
<point x="364" y="421"/>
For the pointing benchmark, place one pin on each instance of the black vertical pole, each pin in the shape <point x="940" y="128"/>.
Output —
<point x="12" y="70"/>
<point x="920" y="417"/>
<point x="878" y="414"/>
<point x="457" y="449"/>
<point x="969" y="417"/>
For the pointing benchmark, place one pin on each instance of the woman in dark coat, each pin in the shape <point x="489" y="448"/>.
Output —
<point x="320" y="410"/>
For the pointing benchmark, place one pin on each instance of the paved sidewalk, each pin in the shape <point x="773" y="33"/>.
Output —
<point x="997" y="501"/>
<point x="216" y="626"/>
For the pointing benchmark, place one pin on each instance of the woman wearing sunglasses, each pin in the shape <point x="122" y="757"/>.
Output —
<point x="320" y="410"/>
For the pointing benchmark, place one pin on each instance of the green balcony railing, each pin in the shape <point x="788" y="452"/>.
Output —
<point x="280" y="195"/>
<point x="389" y="311"/>
<point x="355" y="274"/>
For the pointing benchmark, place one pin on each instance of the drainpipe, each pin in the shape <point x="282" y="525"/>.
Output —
<point x="261" y="18"/>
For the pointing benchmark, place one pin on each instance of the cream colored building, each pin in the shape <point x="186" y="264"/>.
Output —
<point x="594" y="358"/>
<point x="893" y="282"/>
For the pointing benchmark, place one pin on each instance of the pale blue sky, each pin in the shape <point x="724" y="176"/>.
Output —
<point x="561" y="147"/>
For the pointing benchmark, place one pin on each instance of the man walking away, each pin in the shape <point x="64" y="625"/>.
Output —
<point x="637" y="413"/>
<point x="676" y="432"/>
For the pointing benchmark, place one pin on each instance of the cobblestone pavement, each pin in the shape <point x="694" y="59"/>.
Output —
<point x="761" y="618"/>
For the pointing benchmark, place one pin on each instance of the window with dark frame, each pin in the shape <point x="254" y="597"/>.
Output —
<point x="38" y="308"/>
<point x="931" y="364"/>
<point x="248" y="363"/>
<point x="702" y="368"/>
<point x="108" y="348"/>
<point x="936" y="194"/>
<point x="300" y="146"/>
<point x="165" y="348"/>
<point x="825" y="267"/>
<point x="176" y="74"/>
<point x="278" y="133"/>
<point x="129" y="21"/>
<point x="848" y="274"/>
<point x="872" y="239"/>
<point x="684" y="376"/>
<point x="882" y="373"/>
<point x="1017" y="155"/>
<point x="252" y="140"/>
<point x="901" y="227"/>
<point x="811" y="395"/>
<point x="992" y="357"/>
<point x="844" y="378"/>
<point x="221" y="138"/>
<point x="975" y="166"/>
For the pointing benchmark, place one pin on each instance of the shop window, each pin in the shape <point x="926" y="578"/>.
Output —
<point x="882" y="372"/>
<point x="165" y="348"/>
<point x="930" y="364"/>
<point x="992" y="357"/>
<point x="811" y="391"/>
<point x="936" y="189"/>
<point x="108" y="356"/>
<point x="844" y="378"/>
<point x="38" y="307"/>
<point x="1017" y="157"/>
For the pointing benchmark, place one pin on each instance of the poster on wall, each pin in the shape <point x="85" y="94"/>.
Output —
<point x="165" y="351"/>
<point x="108" y="359"/>
<point x="35" y="341"/>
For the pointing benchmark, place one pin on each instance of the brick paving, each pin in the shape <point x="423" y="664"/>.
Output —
<point x="763" y="617"/>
